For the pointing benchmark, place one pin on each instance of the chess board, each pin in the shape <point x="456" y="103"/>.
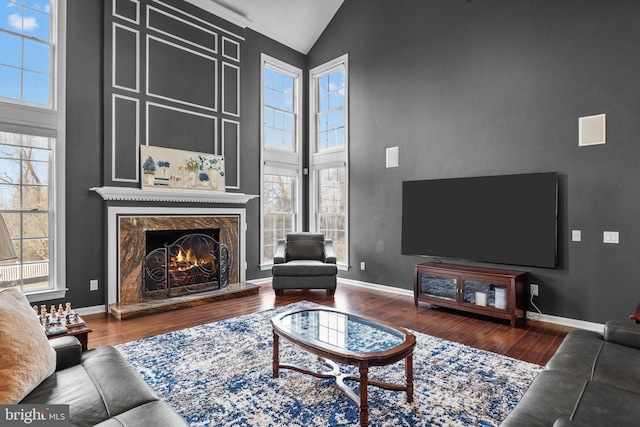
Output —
<point x="60" y="324"/>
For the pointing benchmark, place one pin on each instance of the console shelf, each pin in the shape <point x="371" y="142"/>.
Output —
<point x="491" y="292"/>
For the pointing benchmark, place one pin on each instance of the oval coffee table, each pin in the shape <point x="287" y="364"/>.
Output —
<point x="340" y="337"/>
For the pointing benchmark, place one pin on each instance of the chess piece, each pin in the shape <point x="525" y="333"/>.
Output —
<point x="53" y="311"/>
<point x="60" y="310"/>
<point x="67" y="308"/>
<point x="43" y="310"/>
<point x="35" y="308"/>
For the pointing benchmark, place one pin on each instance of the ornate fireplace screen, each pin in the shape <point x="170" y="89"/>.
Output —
<point x="193" y="263"/>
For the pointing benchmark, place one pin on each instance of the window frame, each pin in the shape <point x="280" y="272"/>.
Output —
<point x="332" y="157"/>
<point x="276" y="161"/>
<point x="23" y="117"/>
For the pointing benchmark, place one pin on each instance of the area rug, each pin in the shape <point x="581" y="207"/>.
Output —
<point x="219" y="374"/>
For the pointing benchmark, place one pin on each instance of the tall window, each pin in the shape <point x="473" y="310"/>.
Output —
<point x="24" y="203"/>
<point x="32" y="144"/>
<point x="281" y="154"/>
<point x="27" y="42"/>
<point x="329" y="187"/>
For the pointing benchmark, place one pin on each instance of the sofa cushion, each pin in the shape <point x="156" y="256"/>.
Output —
<point x="619" y="366"/>
<point x="577" y="354"/>
<point x="605" y="405"/>
<point x="26" y="358"/>
<point x="301" y="246"/>
<point x="303" y="268"/>
<point x="102" y="386"/>
<point x="152" y="414"/>
<point x="550" y="396"/>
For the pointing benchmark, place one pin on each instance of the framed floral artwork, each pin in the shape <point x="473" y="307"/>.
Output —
<point x="178" y="169"/>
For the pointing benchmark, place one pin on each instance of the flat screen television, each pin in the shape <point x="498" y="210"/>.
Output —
<point x="507" y="219"/>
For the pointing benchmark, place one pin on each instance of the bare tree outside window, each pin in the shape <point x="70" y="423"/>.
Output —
<point x="24" y="204"/>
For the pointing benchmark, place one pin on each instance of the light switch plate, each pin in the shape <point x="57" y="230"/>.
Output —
<point x="392" y="157"/>
<point x="576" y="235"/>
<point x="611" y="237"/>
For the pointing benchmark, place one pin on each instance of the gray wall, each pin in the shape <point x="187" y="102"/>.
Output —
<point x="487" y="87"/>
<point x="84" y="163"/>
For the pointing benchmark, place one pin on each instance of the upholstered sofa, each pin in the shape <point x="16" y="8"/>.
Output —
<point x="99" y="385"/>
<point x="304" y="261"/>
<point x="592" y="380"/>
<point x="101" y="389"/>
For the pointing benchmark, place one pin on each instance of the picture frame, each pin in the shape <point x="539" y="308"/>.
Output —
<point x="169" y="168"/>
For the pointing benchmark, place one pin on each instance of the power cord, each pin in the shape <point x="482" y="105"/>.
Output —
<point x="536" y="317"/>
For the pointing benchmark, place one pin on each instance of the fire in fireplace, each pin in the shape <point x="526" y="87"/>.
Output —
<point x="194" y="261"/>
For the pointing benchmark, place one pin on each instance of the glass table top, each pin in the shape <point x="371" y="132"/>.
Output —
<point x="347" y="332"/>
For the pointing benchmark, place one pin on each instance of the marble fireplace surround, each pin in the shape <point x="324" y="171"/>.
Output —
<point x="126" y="241"/>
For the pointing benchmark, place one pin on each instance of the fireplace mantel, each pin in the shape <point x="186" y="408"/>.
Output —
<point x="170" y="195"/>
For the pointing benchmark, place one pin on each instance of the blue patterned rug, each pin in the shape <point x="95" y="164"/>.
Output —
<point x="219" y="374"/>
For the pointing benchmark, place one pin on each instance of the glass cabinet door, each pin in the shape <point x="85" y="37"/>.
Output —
<point x="438" y="286"/>
<point x="484" y="294"/>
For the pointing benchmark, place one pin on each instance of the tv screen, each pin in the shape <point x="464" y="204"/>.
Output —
<point x="509" y="219"/>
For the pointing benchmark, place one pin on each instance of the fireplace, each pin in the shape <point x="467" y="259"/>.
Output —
<point x="135" y="226"/>
<point x="126" y="227"/>
<point x="182" y="262"/>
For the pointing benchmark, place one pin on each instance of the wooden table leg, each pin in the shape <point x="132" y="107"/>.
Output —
<point x="364" y="397"/>
<point x="408" y="367"/>
<point x="636" y="314"/>
<point x="84" y="341"/>
<point x="276" y="355"/>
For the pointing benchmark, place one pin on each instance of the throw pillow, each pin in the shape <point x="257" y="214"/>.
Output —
<point x="26" y="358"/>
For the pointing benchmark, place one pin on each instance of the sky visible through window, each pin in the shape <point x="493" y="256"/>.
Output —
<point x="25" y="50"/>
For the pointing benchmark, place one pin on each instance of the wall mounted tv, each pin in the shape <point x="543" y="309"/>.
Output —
<point x="508" y="219"/>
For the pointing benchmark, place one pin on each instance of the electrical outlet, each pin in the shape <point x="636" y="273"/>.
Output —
<point x="362" y="266"/>
<point x="534" y="290"/>
<point x="93" y="285"/>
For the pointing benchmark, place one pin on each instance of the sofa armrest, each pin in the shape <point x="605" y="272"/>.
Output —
<point x="68" y="351"/>
<point x="625" y="333"/>
<point x="279" y="256"/>
<point x="329" y="252"/>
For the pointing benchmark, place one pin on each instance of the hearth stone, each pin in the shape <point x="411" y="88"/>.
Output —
<point x="131" y="310"/>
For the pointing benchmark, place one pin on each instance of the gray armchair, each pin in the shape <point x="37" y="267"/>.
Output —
<point x="304" y="261"/>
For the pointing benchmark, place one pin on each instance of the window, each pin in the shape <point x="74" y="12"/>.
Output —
<point x="32" y="144"/>
<point x="24" y="204"/>
<point x="329" y="186"/>
<point x="279" y="210"/>
<point x="331" y="111"/>
<point x="332" y="207"/>
<point x="281" y="155"/>
<point x="26" y="56"/>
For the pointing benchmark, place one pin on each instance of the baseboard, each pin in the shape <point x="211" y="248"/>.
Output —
<point x="546" y="318"/>
<point x="91" y="310"/>
<point x="383" y="288"/>
<point x="260" y="281"/>
<point x="566" y="321"/>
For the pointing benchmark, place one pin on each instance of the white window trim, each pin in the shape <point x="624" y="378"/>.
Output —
<point x="334" y="157"/>
<point x="278" y="161"/>
<point x="23" y="117"/>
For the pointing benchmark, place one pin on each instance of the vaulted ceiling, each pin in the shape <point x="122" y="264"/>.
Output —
<point x="294" y="23"/>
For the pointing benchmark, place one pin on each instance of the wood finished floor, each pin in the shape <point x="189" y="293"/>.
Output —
<point x="535" y="342"/>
